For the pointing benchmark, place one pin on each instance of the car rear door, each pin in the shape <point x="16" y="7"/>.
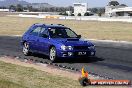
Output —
<point x="33" y="38"/>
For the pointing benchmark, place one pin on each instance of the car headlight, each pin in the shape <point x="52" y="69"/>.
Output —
<point x="63" y="47"/>
<point x="91" y="47"/>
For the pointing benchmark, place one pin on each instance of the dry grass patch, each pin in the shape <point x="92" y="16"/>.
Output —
<point x="88" y="29"/>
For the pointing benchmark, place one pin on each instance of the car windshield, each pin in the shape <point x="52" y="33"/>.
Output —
<point x="62" y="33"/>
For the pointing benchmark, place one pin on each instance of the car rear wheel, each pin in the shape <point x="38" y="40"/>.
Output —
<point x="52" y="55"/>
<point x="26" y="49"/>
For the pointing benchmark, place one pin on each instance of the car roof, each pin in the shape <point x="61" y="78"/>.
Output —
<point x="50" y="25"/>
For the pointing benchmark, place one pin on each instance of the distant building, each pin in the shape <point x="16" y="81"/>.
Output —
<point x="80" y="8"/>
<point x="4" y="10"/>
<point x="69" y="12"/>
<point x="114" y="8"/>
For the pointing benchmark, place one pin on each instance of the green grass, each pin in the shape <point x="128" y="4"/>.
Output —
<point x="88" y="29"/>
<point x="14" y="76"/>
<point x="8" y="84"/>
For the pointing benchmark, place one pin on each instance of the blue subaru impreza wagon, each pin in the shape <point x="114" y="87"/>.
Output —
<point x="55" y="41"/>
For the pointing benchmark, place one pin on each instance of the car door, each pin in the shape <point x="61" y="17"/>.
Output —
<point x="33" y="38"/>
<point x="44" y="41"/>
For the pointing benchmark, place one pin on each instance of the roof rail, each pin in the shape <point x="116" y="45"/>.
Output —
<point x="38" y="24"/>
<point x="58" y="24"/>
<point x="61" y="24"/>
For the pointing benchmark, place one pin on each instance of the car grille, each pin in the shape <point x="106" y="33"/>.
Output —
<point x="81" y="47"/>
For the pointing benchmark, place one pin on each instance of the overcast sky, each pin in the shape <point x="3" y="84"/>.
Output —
<point x="91" y="3"/>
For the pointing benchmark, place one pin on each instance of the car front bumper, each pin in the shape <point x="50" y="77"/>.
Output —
<point x="74" y="54"/>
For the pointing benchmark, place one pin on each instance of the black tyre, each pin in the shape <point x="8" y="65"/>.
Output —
<point x="52" y="55"/>
<point x="26" y="51"/>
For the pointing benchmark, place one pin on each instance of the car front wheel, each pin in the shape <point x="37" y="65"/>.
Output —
<point x="52" y="55"/>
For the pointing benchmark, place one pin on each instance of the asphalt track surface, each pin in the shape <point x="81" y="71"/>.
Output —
<point x="111" y="61"/>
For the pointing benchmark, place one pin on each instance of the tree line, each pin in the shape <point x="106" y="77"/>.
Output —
<point x="20" y="8"/>
<point x="62" y="10"/>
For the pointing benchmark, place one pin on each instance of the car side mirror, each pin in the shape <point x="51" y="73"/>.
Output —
<point x="79" y="36"/>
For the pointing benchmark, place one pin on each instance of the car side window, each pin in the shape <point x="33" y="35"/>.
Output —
<point x="36" y="31"/>
<point x="44" y="33"/>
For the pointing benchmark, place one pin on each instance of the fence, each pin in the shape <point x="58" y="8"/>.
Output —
<point x="83" y="18"/>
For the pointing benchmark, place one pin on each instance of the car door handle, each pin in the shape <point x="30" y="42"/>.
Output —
<point x="37" y="40"/>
